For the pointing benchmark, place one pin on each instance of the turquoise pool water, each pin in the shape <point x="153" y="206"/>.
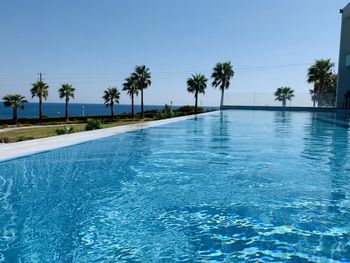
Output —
<point x="235" y="186"/>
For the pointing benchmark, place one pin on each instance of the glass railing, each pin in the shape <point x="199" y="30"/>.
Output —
<point x="268" y="99"/>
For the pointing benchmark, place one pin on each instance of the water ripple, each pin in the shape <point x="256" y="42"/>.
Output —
<point x="238" y="186"/>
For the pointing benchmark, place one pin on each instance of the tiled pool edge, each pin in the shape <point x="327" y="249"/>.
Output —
<point x="20" y="149"/>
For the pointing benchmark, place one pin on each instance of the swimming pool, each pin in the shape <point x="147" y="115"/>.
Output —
<point x="230" y="186"/>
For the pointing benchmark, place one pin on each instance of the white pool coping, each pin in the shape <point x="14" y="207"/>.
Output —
<point x="20" y="149"/>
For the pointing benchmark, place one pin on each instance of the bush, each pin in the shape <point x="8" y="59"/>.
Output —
<point x="24" y="138"/>
<point x="163" y="115"/>
<point x="189" y="109"/>
<point x="64" y="130"/>
<point x="158" y="115"/>
<point x="93" y="124"/>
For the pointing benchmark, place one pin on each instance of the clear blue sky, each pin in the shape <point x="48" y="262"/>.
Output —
<point x="96" y="44"/>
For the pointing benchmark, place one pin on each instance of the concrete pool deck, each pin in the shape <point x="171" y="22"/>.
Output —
<point x="20" y="149"/>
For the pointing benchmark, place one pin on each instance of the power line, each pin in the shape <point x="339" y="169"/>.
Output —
<point x="191" y="71"/>
<point x="113" y="77"/>
<point x="170" y="72"/>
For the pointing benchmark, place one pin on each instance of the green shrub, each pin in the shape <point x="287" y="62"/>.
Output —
<point x="189" y="109"/>
<point x="93" y="124"/>
<point x="163" y="115"/>
<point x="180" y="114"/>
<point x="158" y="115"/>
<point x="24" y="138"/>
<point x="64" y="130"/>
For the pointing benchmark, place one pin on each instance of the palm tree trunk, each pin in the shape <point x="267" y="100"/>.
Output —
<point x="222" y="98"/>
<point x="196" y="103"/>
<point x="284" y="103"/>
<point x="112" y="111"/>
<point x="40" y="109"/>
<point x="14" y="111"/>
<point x="66" y="114"/>
<point x="132" y="105"/>
<point x="313" y="97"/>
<point x="142" y="113"/>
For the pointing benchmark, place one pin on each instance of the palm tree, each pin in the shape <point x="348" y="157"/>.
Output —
<point x="321" y="75"/>
<point x="66" y="92"/>
<point x="196" y="84"/>
<point x="16" y="101"/>
<point x="283" y="94"/>
<point x="332" y="90"/>
<point x="132" y="90"/>
<point x="142" y="77"/>
<point x="314" y="96"/>
<point x="41" y="90"/>
<point x="222" y="74"/>
<point x="111" y="97"/>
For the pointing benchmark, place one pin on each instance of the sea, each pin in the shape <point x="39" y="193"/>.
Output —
<point x="31" y="110"/>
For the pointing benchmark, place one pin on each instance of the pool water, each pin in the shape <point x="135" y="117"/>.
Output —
<point x="233" y="186"/>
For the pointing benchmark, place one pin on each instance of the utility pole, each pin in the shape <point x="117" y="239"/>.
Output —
<point x="40" y="76"/>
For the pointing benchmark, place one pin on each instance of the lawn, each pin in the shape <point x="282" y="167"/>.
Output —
<point x="42" y="132"/>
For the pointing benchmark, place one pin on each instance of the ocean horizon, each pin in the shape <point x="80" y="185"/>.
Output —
<point x="56" y="109"/>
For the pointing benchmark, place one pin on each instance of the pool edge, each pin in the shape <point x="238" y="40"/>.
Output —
<point x="21" y="149"/>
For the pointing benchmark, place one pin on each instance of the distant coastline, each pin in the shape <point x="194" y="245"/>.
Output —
<point x="54" y="109"/>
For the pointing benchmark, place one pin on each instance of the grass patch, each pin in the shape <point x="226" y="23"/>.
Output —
<point x="43" y="132"/>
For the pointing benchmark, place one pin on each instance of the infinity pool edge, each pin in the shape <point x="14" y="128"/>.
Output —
<point x="20" y="149"/>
